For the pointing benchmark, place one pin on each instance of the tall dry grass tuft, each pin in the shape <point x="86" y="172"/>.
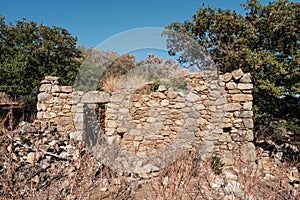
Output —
<point x="109" y="83"/>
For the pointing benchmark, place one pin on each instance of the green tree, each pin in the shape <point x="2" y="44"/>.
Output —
<point x="264" y="42"/>
<point x="29" y="52"/>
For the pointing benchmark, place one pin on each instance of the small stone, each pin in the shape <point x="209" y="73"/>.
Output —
<point x="248" y="152"/>
<point x="227" y="77"/>
<point x="64" y="154"/>
<point x="164" y="102"/>
<point x="51" y="78"/>
<point x="233" y="106"/>
<point x="41" y="106"/>
<point x="110" y="140"/>
<point x="192" y="97"/>
<point x="247" y="105"/>
<point x="179" y="105"/>
<point x="172" y="94"/>
<point x="64" y="95"/>
<point x="111" y="124"/>
<point x="159" y="95"/>
<point x="27" y="127"/>
<point x="45" y="88"/>
<point x="248" y="123"/>
<point x="200" y="88"/>
<point x="231" y="85"/>
<point x="55" y="88"/>
<point x="246" y="114"/>
<point x="66" y="89"/>
<point x="43" y="97"/>
<point x="40" y="115"/>
<point x="237" y="74"/>
<point x="199" y="107"/>
<point x="33" y="157"/>
<point x="162" y="88"/>
<point x="246" y="78"/>
<point x="135" y="132"/>
<point x="242" y="97"/>
<point x="245" y="86"/>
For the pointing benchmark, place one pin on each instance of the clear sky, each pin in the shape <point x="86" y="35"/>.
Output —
<point x="94" y="21"/>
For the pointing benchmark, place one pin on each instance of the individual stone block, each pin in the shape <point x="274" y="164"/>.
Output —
<point x="162" y="88"/>
<point x="233" y="106"/>
<point x="242" y="97"/>
<point x="227" y="77"/>
<point x="231" y="85"/>
<point x="42" y="97"/>
<point x="237" y="74"/>
<point x="172" y="94"/>
<point x="247" y="105"/>
<point x="246" y="114"/>
<point x="164" y="102"/>
<point x="192" y="97"/>
<point x="45" y="88"/>
<point x="247" y="152"/>
<point x="55" y="89"/>
<point x="66" y="89"/>
<point x="111" y="124"/>
<point x="41" y="106"/>
<point x="246" y="78"/>
<point x="245" y="86"/>
<point x="248" y="123"/>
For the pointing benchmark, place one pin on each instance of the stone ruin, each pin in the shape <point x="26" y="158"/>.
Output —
<point x="140" y="131"/>
<point x="144" y="124"/>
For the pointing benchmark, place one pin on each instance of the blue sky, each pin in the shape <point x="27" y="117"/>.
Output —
<point x="94" y="21"/>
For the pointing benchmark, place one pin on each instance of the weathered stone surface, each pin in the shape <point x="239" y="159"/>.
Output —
<point x="162" y="88"/>
<point x="55" y="88"/>
<point x="242" y="97"/>
<point x="248" y="153"/>
<point x="233" y="106"/>
<point x="192" y="97"/>
<point x="164" y="102"/>
<point x="150" y="122"/>
<point x="231" y="85"/>
<point x="45" y="88"/>
<point x="245" y="86"/>
<point x="247" y="105"/>
<point x="43" y="97"/>
<point x="66" y="89"/>
<point x="246" y="114"/>
<point x="98" y="97"/>
<point x="172" y="94"/>
<point x="33" y="157"/>
<point x="248" y="123"/>
<point x="51" y="78"/>
<point x="27" y="127"/>
<point x="246" y="78"/>
<point x="227" y="77"/>
<point x="237" y="74"/>
<point x="200" y="88"/>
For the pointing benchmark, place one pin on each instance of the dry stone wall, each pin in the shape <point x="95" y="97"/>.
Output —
<point x="141" y="122"/>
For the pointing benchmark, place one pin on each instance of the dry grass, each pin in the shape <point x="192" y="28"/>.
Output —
<point x="85" y="178"/>
<point x="188" y="178"/>
<point x="134" y="78"/>
<point x="109" y="84"/>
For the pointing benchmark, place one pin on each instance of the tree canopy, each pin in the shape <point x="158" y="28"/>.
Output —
<point x="264" y="42"/>
<point x="29" y="52"/>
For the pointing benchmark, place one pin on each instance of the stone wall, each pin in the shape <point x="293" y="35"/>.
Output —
<point x="210" y="118"/>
